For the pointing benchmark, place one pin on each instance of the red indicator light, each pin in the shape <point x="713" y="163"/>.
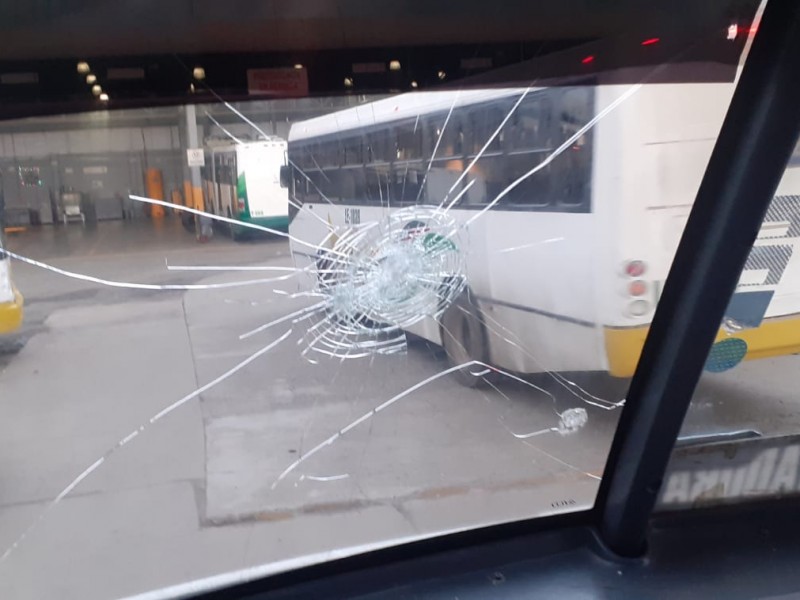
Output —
<point x="635" y="268"/>
<point x="587" y="60"/>
<point x="637" y="288"/>
<point x="651" y="41"/>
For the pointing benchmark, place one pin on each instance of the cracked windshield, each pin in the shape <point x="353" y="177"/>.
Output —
<point x="270" y="332"/>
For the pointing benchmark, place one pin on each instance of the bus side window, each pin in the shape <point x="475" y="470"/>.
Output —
<point x="379" y="145"/>
<point x="329" y="154"/>
<point x="407" y="170"/>
<point x="455" y="139"/>
<point x="353" y="151"/>
<point x="481" y="123"/>
<point x="376" y="172"/>
<point x="451" y="144"/>
<point x="574" y="166"/>
<point x="473" y="140"/>
<point x="488" y="122"/>
<point x="315" y="186"/>
<point x="312" y="154"/>
<point x="529" y="142"/>
<point x="352" y="185"/>
<point x="298" y="190"/>
<point x="431" y="134"/>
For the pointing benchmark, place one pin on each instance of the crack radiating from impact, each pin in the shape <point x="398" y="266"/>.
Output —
<point x="132" y="435"/>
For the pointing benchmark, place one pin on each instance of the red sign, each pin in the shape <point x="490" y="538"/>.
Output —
<point x="278" y="82"/>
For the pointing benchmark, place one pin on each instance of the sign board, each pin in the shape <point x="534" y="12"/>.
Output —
<point x="278" y="82"/>
<point x="195" y="157"/>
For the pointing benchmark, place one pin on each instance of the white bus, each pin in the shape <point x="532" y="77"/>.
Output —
<point x="564" y="272"/>
<point x="242" y="181"/>
<point x="10" y="298"/>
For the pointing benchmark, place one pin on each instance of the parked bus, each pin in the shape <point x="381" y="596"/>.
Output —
<point x="10" y="298"/>
<point x="242" y="181"/>
<point x="565" y="270"/>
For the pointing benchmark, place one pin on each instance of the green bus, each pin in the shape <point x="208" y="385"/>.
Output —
<point x="241" y="180"/>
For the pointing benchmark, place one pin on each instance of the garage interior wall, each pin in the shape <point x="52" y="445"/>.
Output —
<point x="105" y="165"/>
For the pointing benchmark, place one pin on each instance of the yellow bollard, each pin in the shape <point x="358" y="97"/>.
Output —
<point x="155" y="190"/>
<point x="187" y="193"/>
<point x="197" y="196"/>
<point x="176" y="197"/>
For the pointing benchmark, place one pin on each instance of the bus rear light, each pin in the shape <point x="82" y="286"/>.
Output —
<point x="635" y="268"/>
<point x="638" y="308"/>
<point x="241" y="205"/>
<point x="637" y="288"/>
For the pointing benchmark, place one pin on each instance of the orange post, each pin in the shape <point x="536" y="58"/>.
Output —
<point x="155" y="190"/>
<point x="197" y="197"/>
<point x="187" y="193"/>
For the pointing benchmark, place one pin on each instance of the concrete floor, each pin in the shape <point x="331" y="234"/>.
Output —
<point x="199" y="492"/>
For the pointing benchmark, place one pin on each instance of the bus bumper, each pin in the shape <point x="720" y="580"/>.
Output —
<point x="623" y="347"/>
<point x="11" y="314"/>
<point x="778" y="336"/>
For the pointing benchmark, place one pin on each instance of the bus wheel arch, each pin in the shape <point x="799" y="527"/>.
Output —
<point x="464" y="338"/>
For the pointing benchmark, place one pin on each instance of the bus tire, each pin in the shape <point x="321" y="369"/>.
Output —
<point x="464" y="339"/>
<point x="187" y="220"/>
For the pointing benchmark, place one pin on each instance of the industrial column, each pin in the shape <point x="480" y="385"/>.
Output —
<point x="192" y="186"/>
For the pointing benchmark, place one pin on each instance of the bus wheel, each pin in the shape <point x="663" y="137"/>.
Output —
<point x="187" y="220"/>
<point x="464" y="339"/>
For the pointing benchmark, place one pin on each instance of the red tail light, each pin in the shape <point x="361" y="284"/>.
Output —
<point x="637" y="288"/>
<point x="241" y="205"/>
<point x="635" y="268"/>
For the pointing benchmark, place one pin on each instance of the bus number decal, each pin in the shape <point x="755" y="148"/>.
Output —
<point x="352" y="216"/>
<point x="773" y="258"/>
<point x="765" y="266"/>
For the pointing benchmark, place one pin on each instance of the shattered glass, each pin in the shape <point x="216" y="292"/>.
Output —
<point x="423" y="349"/>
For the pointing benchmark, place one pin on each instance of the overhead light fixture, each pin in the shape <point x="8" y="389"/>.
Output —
<point x="91" y="78"/>
<point x="83" y="67"/>
<point x="97" y="90"/>
<point x="394" y="65"/>
<point x="104" y="97"/>
<point x="441" y="75"/>
<point x="199" y="73"/>
<point x="348" y="82"/>
<point x="298" y="66"/>
<point x="414" y="84"/>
